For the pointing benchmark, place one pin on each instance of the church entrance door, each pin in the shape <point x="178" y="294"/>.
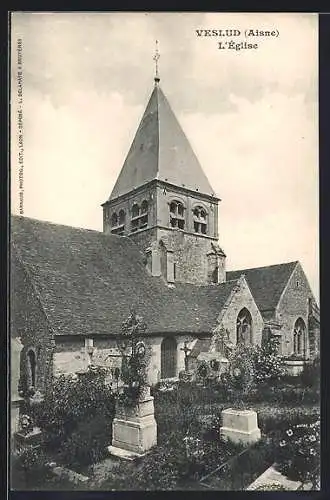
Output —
<point x="168" y="358"/>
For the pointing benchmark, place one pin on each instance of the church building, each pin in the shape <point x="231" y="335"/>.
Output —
<point x="159" y="253"/>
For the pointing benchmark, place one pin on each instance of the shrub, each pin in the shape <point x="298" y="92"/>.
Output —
<point x="268" y="364"/>
<point x="284" y="394"/>
<point x="310" y="376"/>
<point x="178" y="461"/>
<point x="87" y="444"/>
<point x="28" y="467"/>
<point x="73" y="400"/>
<point x="251" y="367"/>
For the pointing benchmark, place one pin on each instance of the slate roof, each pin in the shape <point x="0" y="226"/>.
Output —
<point x="266" y="283"/>
<point x="160" y="150"/>
<point x="87" y="281"/>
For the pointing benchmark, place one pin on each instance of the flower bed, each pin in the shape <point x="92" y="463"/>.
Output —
<point x="299" y="451"/>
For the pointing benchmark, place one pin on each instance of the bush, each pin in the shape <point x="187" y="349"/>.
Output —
<point x="87" y="444"/>
<point x="70" y="404"/>
<point x="284" y="394"/>
<point x="251" y="368"/>
<point x="29" y="467"/>
<point x="310" y="376"/>
<point x="172" y="465"/>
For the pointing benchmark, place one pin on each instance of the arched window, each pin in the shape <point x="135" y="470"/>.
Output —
<point x="200" y="220"/>
<point x="31" y="368"/>
<point x="135" y="210"/>
<point x="114" y="220"/>
<point x="144" y="214"/>
<point x="244" y="327"/>
<point x="299" y="331"/>
<point x="122" y="217"/>
<point x="118" y="222"/>
<point x="144" y="207"/>
<point x="177" y="214"/>
<point x="139" y="216"/>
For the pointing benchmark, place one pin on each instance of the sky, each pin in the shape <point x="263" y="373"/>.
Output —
<point x="250" y="115"/>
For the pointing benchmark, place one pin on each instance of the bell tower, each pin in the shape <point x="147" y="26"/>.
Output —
<point x="163" y="200"/>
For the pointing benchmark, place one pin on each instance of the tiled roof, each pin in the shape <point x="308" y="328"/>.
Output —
<point x="160" y="150"/>
<point x="88" y="281"/>
<point x="266" y="283"/>
<point x="202" y="345"/>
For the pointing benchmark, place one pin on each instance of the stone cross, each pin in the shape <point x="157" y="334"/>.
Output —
<point x="186" y="350"/>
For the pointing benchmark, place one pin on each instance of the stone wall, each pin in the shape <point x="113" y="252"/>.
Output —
<point x="126" y="203"/>
<point x="28" y="321"/>
<point x="240" y="299"/>
<point x="293" y="305"/>
<point x="190" y="255"/>
<point x="190" y="201"/>
<point x="71" y="356"/>
<point x="190" y="249"/>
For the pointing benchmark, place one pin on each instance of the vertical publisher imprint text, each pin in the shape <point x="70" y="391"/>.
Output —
<point x="19" y="131"/>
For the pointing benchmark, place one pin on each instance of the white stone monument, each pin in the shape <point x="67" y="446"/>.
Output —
<point x="134" y="430"/>
<point x="240" y="426"/>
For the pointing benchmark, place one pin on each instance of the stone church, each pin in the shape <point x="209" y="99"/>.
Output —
<point x="72" y="288"/>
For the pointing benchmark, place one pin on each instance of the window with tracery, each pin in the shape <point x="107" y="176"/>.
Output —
<point x="118" y="222"/>
<point x="244" y="327"/>
<point x="139" y="216"/>
<point x="200" y="220"/>
<point x="299" y="337"/>
<point x="177" y="215"/>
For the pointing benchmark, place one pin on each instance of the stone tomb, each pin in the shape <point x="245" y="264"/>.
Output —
<point x="32" y="438"/>
<point x="134" y="429"/>
<point x="240" y="426"/>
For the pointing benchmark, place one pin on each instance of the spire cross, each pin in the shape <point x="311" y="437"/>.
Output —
<point x="156" y="58"/>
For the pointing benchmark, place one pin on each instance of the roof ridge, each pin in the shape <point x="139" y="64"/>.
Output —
<point x="207" y="285"/>
<point x="75" y="228"/>
<point x="52" y="223"/>
<point x="262" y="267"/>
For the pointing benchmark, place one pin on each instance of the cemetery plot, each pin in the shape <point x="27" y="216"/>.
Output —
<point x="187" y="433"/>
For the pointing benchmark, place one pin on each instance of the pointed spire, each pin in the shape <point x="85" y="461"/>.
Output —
<point x="160" y="150"/>
<point x="156" y="59"/>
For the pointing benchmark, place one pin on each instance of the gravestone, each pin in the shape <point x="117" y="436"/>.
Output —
<point x="134" y="429"/>
<point x="240" y="426"/>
